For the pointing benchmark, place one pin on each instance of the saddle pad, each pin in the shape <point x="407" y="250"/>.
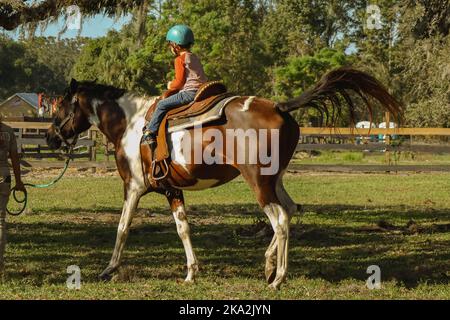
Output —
<point x="212" y="114"/>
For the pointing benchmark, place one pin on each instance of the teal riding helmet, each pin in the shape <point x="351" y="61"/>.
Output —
<point x="181" y="35"/>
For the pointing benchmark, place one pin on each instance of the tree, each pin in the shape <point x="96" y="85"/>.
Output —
<point x="272" y="48"/>
<point x="296" y="28"/>
<point x="435" y="19"/>
<point x="410" y="54"/>
<point x="302" y="72"/>
<point x="37" y="65"/>
<point x="299" y="27"/>
<point x="117" y="60"/>
<point x="14" y="13"/>
<point x="422" y="64"/>
<point x="227" y="42"/>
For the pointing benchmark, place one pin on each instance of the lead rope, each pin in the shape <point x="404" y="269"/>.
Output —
<point x="24" y="201"/>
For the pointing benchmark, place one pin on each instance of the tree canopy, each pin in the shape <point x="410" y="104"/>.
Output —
<point x="14" y="13"/>
<point x="36" y="65"/>
<point x="270" y="48"/>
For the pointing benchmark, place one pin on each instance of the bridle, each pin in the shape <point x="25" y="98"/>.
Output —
<point x="58" y="128"/>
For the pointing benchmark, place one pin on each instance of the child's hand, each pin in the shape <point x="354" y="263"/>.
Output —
<point x="20" y="187"/>
<point x="169" y="85"/>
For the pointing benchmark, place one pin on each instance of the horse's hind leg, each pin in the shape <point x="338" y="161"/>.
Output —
<point x="279" y="208"/>
<point x="291" y="207"/>
<point x="176" y="201"/>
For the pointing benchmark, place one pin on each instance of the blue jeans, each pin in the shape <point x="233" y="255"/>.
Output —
<point x="163" y="106"/>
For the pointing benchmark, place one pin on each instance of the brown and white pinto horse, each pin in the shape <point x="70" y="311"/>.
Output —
<point x="120" y="116"/>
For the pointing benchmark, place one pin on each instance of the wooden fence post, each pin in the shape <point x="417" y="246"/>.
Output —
<point x="20" y="144"/>
<point x="93" y="150"/>
<point x="387" y="138"/>
<point x="105" y="142"/>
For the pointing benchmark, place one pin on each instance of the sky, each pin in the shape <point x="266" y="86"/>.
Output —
<point x="94" y="27"/>
<point x="98" y="26"/>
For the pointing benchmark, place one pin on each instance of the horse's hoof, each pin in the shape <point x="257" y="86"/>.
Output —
<point x="185" y="281"/>
<point x="106" y="275"/>
<point x="274" y="286"/>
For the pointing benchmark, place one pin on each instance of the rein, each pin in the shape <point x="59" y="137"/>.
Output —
<point x="66" y="151"/>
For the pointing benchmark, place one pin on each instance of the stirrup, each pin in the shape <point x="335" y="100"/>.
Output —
<point x="154" y="162"/>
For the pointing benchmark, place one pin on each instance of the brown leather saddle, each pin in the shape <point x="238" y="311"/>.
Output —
<point x="206" y="98"/>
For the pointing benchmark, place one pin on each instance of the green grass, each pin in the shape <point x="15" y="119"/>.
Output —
<point x="350" y="222"/>
<point x="375" y="158"/>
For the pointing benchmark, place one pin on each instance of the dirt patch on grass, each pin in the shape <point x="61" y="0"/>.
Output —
<point x="44" y="173"/>
<point x="259" y="229"/>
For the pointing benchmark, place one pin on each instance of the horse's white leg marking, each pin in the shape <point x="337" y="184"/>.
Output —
<point x="134" y="109"/>
<point x="271" y="258"/>
<point x="184" y="232"/>
<point x="247" y="103"/>
<point x="129" y="208"/>
<point x="286" y="201"/>
<point x="279" y="219"/>
<point x="290" y="206"/>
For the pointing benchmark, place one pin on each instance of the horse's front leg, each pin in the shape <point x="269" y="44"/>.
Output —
<point x="176" y="202"/>
<point x="129" y="207"/>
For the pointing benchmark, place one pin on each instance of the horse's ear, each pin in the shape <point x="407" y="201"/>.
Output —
<point x="73" y="85"/>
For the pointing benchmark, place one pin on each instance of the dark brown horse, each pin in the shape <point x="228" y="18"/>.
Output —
<point x="248" y="123"/>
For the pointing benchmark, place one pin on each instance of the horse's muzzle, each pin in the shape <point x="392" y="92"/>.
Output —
<point x="53" y="141"/>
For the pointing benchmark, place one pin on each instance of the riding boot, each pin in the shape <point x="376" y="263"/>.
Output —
<point x="150" y="139"/>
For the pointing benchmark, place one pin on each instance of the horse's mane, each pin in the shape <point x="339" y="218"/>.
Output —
<point x="101" y="91"/>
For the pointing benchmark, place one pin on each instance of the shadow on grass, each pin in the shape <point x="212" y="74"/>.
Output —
<point x="333" y="252"/>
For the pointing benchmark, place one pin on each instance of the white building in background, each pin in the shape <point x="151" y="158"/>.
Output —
<point x="391" y="125"/>
<point x="365" y="125"/>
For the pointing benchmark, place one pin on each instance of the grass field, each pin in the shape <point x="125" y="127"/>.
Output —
<point x="398" y="222"/>
<point x="375" y="158"/>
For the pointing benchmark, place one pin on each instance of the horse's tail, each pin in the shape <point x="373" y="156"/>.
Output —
<point x="333" y="91"/>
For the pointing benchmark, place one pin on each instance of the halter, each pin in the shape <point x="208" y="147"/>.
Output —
<point x="70" y="117"/>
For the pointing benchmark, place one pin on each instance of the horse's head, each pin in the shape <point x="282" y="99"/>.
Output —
<point x="72" y="117"/>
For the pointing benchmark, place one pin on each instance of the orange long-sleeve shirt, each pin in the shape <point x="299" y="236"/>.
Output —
<point x="180" y="70"/>
<point x="189" y="74"/>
